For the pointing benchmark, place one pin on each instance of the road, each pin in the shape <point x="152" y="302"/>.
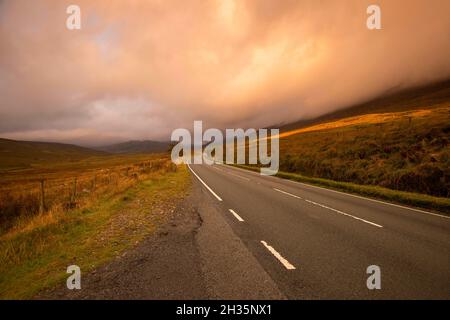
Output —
<point x="316" y="243"/>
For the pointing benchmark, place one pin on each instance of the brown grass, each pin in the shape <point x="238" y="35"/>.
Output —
<point x="105" y="220"/>
<point x="20" y="194"/>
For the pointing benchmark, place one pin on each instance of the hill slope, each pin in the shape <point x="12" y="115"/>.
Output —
<point x="411" y="99"/>
<point x="24" y="154"/>
<point x="402" y="143"/>
<point x="145" y="146"/>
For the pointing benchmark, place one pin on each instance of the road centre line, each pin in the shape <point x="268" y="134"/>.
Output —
<point x="280" y="258"/>
<point x="236" y="215"/>
<point x="329" y="208"/>
<point x="236" y="175"/>
<point x="287" y="193"/>
<point x="350" y="195"/>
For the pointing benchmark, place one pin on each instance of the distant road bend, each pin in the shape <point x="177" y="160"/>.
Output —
<point x="317" y="243"/>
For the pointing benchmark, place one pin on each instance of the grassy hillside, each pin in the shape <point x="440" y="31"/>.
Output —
<point x="25" y="154"/>
<point x="405" y="150"/>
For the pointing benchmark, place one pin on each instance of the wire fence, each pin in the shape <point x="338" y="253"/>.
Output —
<point x="29" y="197"/>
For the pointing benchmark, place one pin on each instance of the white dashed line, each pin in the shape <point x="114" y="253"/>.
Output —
<point x="236" y="175"/>
<point x="287" y="193"/>
<point x="232" y="174"/>
<point x="236" y="215"/>
<point x="280" y="258"/>
<point x="207" y="187"/>
<point x="326" y="207"/>
<point x="349" y="194"/>
<point x="345" y="214"/>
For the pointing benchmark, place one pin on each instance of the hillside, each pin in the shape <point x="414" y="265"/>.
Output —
<point x="25" y="154"/>
<point x="145" y="146"/>
<point x="405" y="100"/>
<point x="400" y="142"/>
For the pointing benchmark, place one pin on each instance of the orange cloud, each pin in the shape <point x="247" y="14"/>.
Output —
<point x="138" y="69"/>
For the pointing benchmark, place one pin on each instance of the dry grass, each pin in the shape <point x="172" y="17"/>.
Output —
<point x="366" y="119"/>
<point x="37" y="247"/>
<point x="405" y="151"/>
<point x="73" y="187"/>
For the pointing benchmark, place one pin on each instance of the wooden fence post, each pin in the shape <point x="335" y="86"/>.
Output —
<point x="42" y="202"/>
<point x="74" y="192"/>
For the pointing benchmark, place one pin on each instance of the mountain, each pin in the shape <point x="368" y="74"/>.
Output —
<point x="399" y="141"/>
<point x="413" y="98"/>
<point x="146" y="146"/>
<point x="23" y="154"/>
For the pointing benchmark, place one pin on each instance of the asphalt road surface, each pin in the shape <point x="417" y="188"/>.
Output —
<point x="316" y="243"/>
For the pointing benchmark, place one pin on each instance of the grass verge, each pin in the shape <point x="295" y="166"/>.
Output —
<point x="36" y="259"/>
<point x="441" y="205"/>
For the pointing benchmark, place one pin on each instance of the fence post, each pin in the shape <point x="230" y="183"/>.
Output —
<point x="93" y="183"/>
<point x="42" y="202"/>
<point x="74" y="192"/>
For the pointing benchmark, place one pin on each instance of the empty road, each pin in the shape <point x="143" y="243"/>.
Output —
<point x="317" y="244"/>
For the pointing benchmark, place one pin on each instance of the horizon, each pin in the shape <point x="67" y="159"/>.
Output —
<point x="139" y="72"/>
<point x="389" y="93"/>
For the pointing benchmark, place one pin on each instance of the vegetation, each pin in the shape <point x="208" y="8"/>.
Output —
<point x="92" y="210"/>
<point x="406" y="151"/>
<point x="395" y="148"/>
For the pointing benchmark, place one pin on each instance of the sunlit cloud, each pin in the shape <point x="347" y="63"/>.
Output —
<point x="139" y="69"/>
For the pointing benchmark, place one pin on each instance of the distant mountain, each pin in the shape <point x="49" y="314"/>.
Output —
<point x="146" y="146"/>
<point x="23" y="154"/>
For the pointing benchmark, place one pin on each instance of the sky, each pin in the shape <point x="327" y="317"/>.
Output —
<point x="139" y="69"/>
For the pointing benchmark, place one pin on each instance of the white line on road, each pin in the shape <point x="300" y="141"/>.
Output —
<point x="350" y="194"/>
<point x="345" y="214"/>
<point x="236" y="215"/>
<point x="280" y="258"/>
<point x="323" y="206"/>
<point x="232" y="174"/>
<point x="236" y="175"/>
<point x="373" y="200"/>
<point x="289" y="194"/>
<point x="207" y="187"/>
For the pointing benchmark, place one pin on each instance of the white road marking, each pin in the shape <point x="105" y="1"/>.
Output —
<point x="374" y="200"/>
<point x="345" y="214"/>
<point x="289" y="194"/>
<point x="348" y="194"/>
<point x="236" y="175"/>
<point x="207" y="187"/>
<point x="232" y="174"/>
<point x="236" y="215"/>
<point x="323" y="206"/>
<point x="280" y="258"/>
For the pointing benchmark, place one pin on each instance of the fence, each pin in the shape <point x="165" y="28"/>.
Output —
<point x="28" y="197"/>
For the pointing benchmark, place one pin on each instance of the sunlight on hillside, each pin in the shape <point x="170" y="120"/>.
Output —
<point x="364" y="119"/>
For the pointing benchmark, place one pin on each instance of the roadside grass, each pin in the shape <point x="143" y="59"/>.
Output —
<point x="35" y="258"/>
<point x="405" y="151"/>
<point x="441" y="205"/>
<point x="68" y="185"/>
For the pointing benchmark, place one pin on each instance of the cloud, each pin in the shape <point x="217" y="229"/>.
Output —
<point x="139" y="69"/>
